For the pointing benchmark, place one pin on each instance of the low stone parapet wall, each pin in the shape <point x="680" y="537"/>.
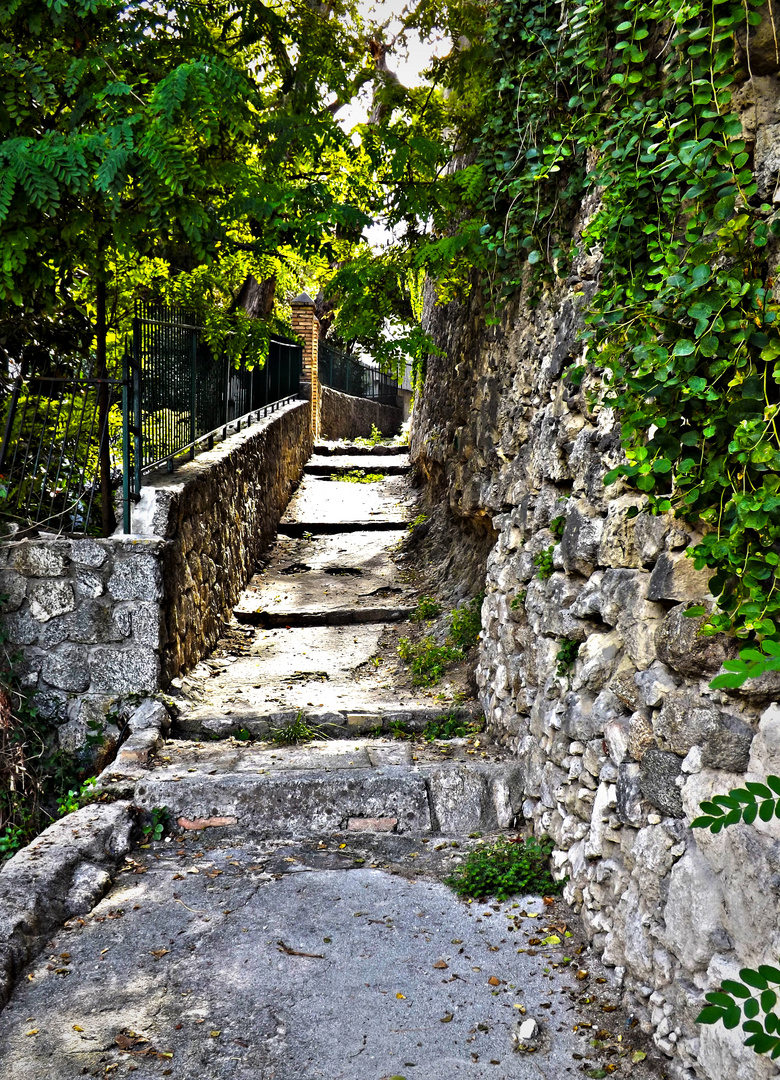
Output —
<point x="346" y="417"/>
<point x="97" y="619"/>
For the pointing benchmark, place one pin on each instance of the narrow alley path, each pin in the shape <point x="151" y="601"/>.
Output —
<point x="295" y="924"/>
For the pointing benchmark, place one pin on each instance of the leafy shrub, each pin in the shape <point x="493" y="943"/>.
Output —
<point x="450" y="726"/>
<point x="75" y="798"/>
<point x="427" y="608"/>
<point x="466" y="622"/>
<point x="557" y="525"/>
<point x="506" y="868"/>
<point x="427" y="659"/>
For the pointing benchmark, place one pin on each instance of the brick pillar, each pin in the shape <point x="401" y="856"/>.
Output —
<point x="307" y="327"/>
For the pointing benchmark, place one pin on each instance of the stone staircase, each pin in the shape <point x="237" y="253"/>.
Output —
<point x="303" y="630"/>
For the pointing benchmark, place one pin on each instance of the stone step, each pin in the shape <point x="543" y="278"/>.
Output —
<point x="321" y="503"/>
<point x="332" y="616"/>
<point x="359" y="719"/>
<point x="358" y="785"/>
<point x="339" y="449"/>
<point x="300" y="529"/>
<point x="325" y="464"/>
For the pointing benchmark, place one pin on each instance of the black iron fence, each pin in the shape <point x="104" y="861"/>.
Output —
<point x="50" y="453"/>
<point x="342" y="372"/>
<point x="174" y="396"/>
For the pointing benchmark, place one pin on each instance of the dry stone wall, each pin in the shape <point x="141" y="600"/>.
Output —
<point x="343" y="416"/>
<point x="95" y="620"/>
<point x="618" y="747"/>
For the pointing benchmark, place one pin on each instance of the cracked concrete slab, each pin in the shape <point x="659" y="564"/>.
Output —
<point x="226" y="959"/>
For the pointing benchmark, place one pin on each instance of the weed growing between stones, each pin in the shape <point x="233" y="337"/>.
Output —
<point x="466" y="622"/>
<point x="506" y="868"/>
<point x="357" y="476"/>
<point x="427" y="660"/>
<point x="75" y="798"/>
<point x="298" y="731"/>
<point x="419" y="520"/>
<point x="543" y="561"/>
<point x="566" y="655"/>
<point x="374" y="438"/>
<point x="159" y="820"/>
<point x="427" y="608"/>
<point x="450" y="726"/>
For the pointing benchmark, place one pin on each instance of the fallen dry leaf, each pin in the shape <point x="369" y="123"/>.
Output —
<point x="493" y="981"/>
<point x="440" y="965"/>
<point x="294" y="952"/>
<point x="446" y="1019"/>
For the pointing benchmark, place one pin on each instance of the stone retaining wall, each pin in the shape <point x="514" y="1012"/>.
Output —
<point x="618" y="747"/>
<point x="100" y="619"/>
<point x="346" y="417"/>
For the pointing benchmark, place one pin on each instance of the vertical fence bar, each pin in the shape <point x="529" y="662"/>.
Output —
<point x="125" y="442"/>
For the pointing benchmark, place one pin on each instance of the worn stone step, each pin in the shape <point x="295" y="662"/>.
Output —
<point x="299" y="529"/>
<point x="325" y="464"/>
<point x="339" y="449"/>
<point x="320" y="503"/>
<point x="359" y="719"/>
<point x="371" y="785"/>
<point x="255" y="616"/>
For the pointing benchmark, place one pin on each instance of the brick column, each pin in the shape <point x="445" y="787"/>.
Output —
<point x="307" y="327"/>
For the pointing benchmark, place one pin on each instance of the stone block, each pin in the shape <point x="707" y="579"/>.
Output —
<point x="136" y="578"/>
<point x="88" y="584"/>
<point x="13" y="587"/>
<point x="658" y="780"/>
<point x="147" y="624"/>
<point x="150" y="714"/>
<point x="640" y="734"/>
<point x="88" y="553"/>
<point x="616" y="738"/>
<point x="580" y="541"/>
<point x="650" y="532"/>
<point x="51" y="598"/>
<point x="675" y="577"/>
<point x="40" y="559"/>
<point x="22" y="628"/>
<point x="685" y="721"/>
<point x="694" y="911"/>
<point x="630" y="807"/>
<point x="386" y="824"/>
<point x="654" y="684"/>
<point x="124" y="671"/>
<point x="618" y="546"/>
<point x="91" y="624"/>
<point x="67" y="669"/>
<point x="683" y="648"/>
<point x="459" y="798"/>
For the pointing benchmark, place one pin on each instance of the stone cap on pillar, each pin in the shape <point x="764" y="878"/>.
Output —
<point x="304" y="300"/>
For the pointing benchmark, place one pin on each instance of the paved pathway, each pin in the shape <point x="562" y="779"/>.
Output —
<point x="295" y="925"/>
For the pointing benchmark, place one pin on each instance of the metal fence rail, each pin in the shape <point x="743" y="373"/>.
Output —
<point x="50" y="453"/>
<point x="342" y="372"/>
<point x="180" y="396"/>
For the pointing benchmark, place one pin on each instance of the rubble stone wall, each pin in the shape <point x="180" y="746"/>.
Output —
<point x="97" y="619"/>
<point x="618" y="747"/>
<point x="346" y="417"/>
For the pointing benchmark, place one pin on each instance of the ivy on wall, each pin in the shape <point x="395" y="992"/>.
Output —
<point x="633" y="102"/>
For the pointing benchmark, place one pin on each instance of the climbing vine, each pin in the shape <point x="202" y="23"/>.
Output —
<point x="631" y="103"/>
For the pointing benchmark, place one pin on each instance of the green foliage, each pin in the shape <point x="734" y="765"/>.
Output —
<point x="242" y="734"/>
<point x="450" y="726"/>
<point x="297" y="731"/>
<point x="419" y="520"/>
<point x="466" y="622"/>
<point x="357" y="476"/>
<point x="428" y="660"/>
<point x="566" y="655"/>
<point x="752" y="995"/>
<point x="75" y="798"/>
<point x="741" y="804"/>
<point x="374" y="439"/>
<point x="427" y="608"/>
<point x="543" y="561"/>
<point x="557" y="525"/>
<point x="518" y="601"/>
<point x="399" y="730"/>
<point x="506" y="868"/>
<point x="683" y="328"/>
<point x="12" y="838"/>
<point x="159" y="819"/>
